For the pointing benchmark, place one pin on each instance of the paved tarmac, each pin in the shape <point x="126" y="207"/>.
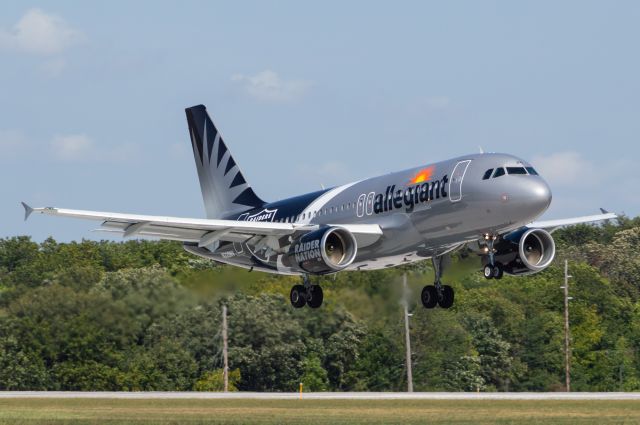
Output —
<point x="322" y="396"/>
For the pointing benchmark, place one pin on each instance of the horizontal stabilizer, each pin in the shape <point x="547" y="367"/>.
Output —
<point x="27" y="210"/>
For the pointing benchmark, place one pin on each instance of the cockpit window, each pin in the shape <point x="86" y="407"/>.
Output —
<point x="516" y="170"/>
<point x="487" y="174"/>
<point x="532" y="171"/>
<point x="499" y="172"/>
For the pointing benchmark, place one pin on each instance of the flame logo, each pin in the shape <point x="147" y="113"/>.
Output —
<point x="422" y="176"/>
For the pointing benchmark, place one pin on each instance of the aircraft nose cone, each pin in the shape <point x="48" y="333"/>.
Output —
<point x="542" y="194"/>
<point x="537" y="196"/>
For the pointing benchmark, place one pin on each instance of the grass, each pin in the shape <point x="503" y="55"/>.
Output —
<point x="94" y="411"/>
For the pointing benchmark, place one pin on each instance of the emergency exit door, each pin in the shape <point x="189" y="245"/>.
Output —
<point x="455" y="185"/>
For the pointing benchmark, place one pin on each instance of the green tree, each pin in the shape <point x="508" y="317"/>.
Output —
<point x="214" y="381"/>
<point x="380" y="363"/>
<point x="20" y="370"/>
<point x="314" y="376"/>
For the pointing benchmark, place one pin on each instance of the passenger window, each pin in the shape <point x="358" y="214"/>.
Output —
<point x="487" y="174"/>
<point x="532" y="171"/>
<point x="516" y="170"/>
<point x="499" y="172"/>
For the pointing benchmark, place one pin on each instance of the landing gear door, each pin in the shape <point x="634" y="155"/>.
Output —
<point x="455" y="185"/>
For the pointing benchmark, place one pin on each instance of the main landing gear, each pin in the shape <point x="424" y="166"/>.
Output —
<point x="307" y="293"/>
<point x="437" y="294"/>
<point x="493" y="269"/>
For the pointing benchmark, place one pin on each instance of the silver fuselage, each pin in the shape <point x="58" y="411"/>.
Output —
<point x="423" y="211"/>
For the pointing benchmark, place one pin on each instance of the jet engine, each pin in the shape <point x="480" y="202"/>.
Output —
<point x="525" y="252"/>
<point x="322" y="251"/>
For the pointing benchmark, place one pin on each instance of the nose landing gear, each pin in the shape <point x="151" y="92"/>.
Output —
<point x="437" y="294"/>
<point x="492" y="270"/>
<point x="307" y="293"/>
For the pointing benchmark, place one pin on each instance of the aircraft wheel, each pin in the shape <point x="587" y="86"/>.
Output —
<point x="446" y="297"/>
<point x="497" y="271"/>
<point x="429" y="296"/>
<point x="315" y="296"/>
<point x="487" y="271"/>
<point x="298" y="296"/>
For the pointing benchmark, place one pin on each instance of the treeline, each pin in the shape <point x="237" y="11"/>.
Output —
<point x="144" y="315"/>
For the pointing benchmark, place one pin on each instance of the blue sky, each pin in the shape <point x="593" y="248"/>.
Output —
<point x="93" y="96"/>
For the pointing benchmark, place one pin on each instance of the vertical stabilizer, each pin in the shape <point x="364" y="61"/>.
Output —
<point x="224" y="188"/>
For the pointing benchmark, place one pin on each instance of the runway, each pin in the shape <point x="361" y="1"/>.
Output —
<point x="319" y="396"/>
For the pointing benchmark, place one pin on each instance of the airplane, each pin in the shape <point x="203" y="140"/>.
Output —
<point x="489" y="201"/>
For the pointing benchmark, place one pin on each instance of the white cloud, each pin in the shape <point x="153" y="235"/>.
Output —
<point x="40" y="33"/>
<point x="563" y="168"/>
<point x="268" y="86"/>
<point x="72" y="147"/>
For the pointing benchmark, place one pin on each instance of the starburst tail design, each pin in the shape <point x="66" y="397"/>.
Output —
<point x="224" y="189"/>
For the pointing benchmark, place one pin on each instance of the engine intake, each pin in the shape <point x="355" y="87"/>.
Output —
<point x="526" y="252"/>
<point x="537" y="249"/>
<point x="322" y="251"/>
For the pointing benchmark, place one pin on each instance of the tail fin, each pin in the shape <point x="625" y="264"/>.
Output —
<point x="224" y="188"/>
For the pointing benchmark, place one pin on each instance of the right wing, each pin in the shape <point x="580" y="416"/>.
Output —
<point x="201" y="231"/>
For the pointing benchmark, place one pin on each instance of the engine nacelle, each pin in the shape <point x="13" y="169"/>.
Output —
<point x="525" y="252"/>
<point x="322" y="251"/>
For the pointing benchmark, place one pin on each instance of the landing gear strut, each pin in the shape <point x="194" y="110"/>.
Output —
<point x="492" y="270"/>
<point x="307" y="293"/>
<point x="437" y="294"/>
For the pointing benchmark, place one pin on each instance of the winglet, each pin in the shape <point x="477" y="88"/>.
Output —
<point x="604" y="211"/>
<point x="27" y="210"/>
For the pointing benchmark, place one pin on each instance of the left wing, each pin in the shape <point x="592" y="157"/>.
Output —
<point x="198" y="230"/>
<point x="553" y="225"/>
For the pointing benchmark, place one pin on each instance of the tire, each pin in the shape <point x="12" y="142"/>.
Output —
<point x="429" y="296"/>
<point x="315" y="297"/>
<point x="497" y="271"/>
<point x="487" y="271"/>
<point x="297" y="296"/>
<point x="446" y="300"/>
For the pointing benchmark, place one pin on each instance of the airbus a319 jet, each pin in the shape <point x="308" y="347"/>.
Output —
<point x="489" y="201"/>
